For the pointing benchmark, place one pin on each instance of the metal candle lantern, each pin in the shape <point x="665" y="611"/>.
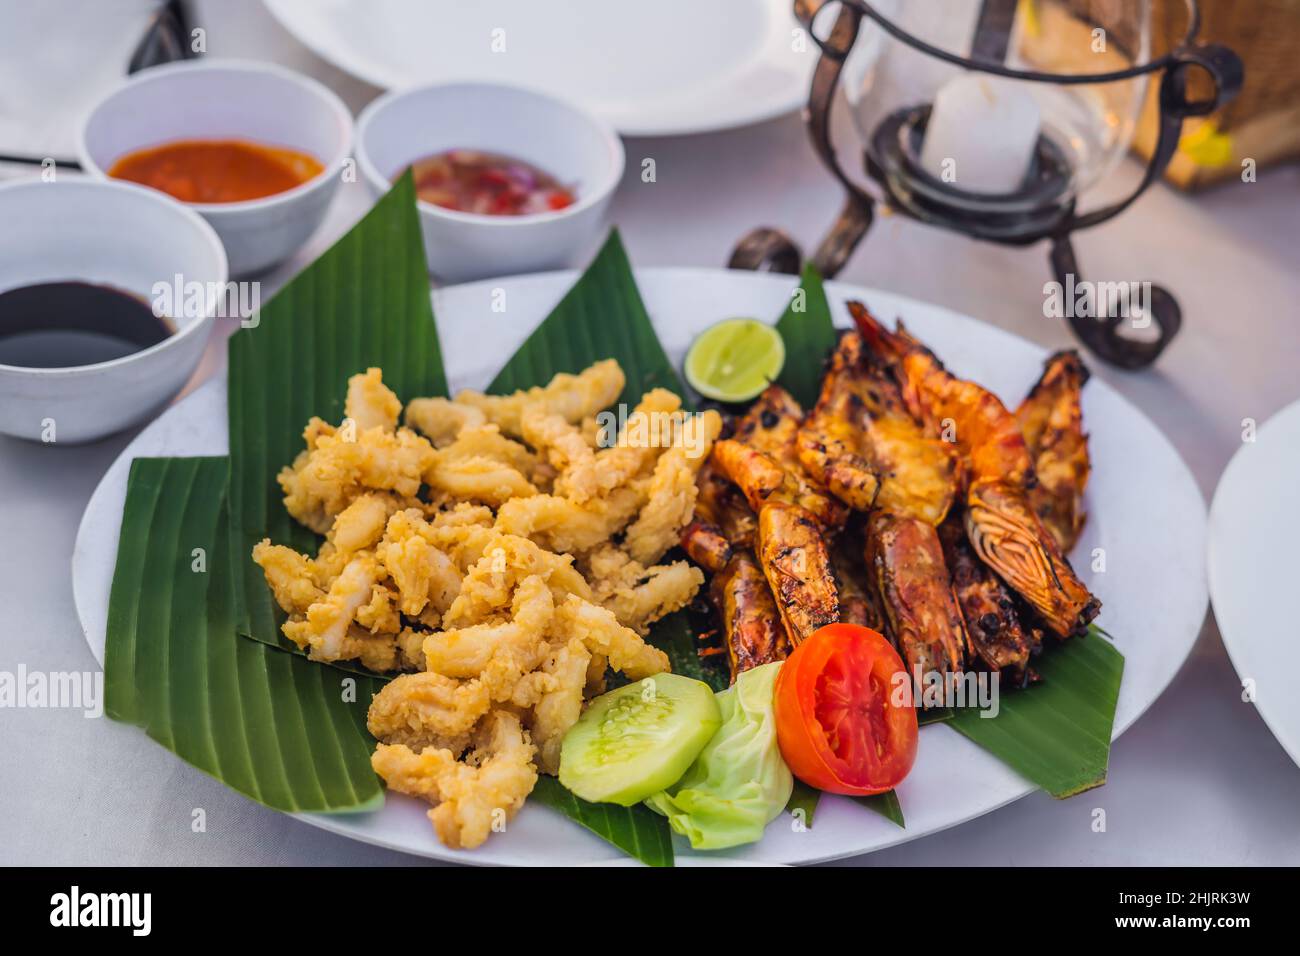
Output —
<point x="991" y="117"/>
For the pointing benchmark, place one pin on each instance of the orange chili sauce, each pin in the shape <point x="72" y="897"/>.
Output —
<point x="216" y="170"/>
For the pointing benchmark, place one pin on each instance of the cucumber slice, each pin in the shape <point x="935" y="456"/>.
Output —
<point x="638" y="740"/>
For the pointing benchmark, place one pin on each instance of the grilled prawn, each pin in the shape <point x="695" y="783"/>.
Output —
<point x="750" y="621"/>
<point x="723" y="521"/>
<point x="906" y="562"/>
<point x="794" y="514"/>
<point x="861" y="442"/>
<point x="1051" y="420"/>
<point x="796" y="563"/>
<point x="994" y="631"/>
<point x="1010" y="539"/>
<point x="858" y="601"/>
<point x="1000" y="522"/>
<point x="763" y="459"/>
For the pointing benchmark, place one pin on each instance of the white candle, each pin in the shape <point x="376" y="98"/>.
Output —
<point x="981" y="134"/>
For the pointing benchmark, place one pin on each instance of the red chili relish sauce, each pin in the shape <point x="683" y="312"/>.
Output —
<point x="488" y="184"/>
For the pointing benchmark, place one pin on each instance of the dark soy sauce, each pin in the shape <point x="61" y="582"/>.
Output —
<point x="64" y="324"/>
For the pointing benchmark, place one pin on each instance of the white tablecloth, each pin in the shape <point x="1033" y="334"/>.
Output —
<point x="1199" y="779"/>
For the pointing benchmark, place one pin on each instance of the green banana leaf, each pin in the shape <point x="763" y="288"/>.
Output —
<point x="637" y="830"/>
<point x="273" y="726"/>
<point x="804" y="800"/>
<point x="365" y="302"/>
<point x="601" y="317"/>
<point x="886" y="804"/>
<point x="1056" y="733"/>
<point x="809" y="335"/>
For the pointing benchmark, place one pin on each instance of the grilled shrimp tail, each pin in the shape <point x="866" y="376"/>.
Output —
<point x="995" y="633"/>
<point x="750" y="621"/>
<point x="863" y="442"/>
<point x="859" y="603"/>
<point x="795" y="560"/>
<point x="906" y="561"/>
<point x="706" y="545"/>
<point x="1009" y="538"/>
<point x="889" y="346"/>
<point x="1051" y="420"/>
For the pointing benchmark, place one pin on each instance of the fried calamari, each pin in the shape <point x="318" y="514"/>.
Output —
<point x="505" y="551"/>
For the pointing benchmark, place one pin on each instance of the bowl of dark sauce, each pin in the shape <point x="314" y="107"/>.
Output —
<point x="65" y="324"/>
<point x="94" y="336"/>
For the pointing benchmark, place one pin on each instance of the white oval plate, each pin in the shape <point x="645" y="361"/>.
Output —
<point x="1144" y="510"/>
<point x="648" y="69"/>
<point x="1254" y="527"/>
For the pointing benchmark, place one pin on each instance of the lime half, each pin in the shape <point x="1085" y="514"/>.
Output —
<point x="734" y="360"/>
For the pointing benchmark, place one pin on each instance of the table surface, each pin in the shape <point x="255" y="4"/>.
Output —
<point x="1198" y="780"/>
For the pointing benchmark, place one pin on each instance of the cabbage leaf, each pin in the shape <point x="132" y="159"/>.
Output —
<point x="739" y="783"/>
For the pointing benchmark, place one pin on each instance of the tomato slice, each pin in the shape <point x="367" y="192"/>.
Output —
<point x="845" y="720"/>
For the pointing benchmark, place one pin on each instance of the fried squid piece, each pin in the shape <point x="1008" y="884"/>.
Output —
<point x="750" y="621"/>
<point x="323" y="629"/>
<point x="421" y="573"/>
<point x="572" y="397"/>
<point x="565" y="526"/>
<point x="906" y="561"/>
<point x="640" y="595"/>
<point x="1051" y="419"/>
<point x="428" y="710"/>
<point x="995" y="634"/>
<point x="794" y="558"/>
<point x="503" y="563"/>
<point x="861" y="441"/>
<point x="441" y="420"/>
<point x="633" y="451"/>
<point x="340" y="464"/>
<point x="1000" y="521"/>
<point x="290" y="576"/>
<point x="469" y="797"/>
<point x="671" y="490"/>
<point x="370" y="403"/>
<point x="602" y="635"/>
<point x="561" y="681"/>
<point x="567" y="451"/>
<point x="500" y="651"/>
<point x="482" y="465"/>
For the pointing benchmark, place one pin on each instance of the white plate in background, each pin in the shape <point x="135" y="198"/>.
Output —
<point x="648" y="69"/>
<point x="1144" y="510"/>
<point x="1254" y="533"/>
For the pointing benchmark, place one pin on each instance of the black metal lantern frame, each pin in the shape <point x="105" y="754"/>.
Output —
<point x="1045" y="210"/>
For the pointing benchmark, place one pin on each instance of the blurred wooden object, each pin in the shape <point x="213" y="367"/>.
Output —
<point x="1263" y="122"/>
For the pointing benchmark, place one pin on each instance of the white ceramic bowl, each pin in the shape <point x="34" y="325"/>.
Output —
<point x="115" y="234"/>
<point x="231" y="99"/>
<point x="559" y="138"/>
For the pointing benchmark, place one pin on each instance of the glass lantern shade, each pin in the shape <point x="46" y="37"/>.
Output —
<point x="985" y="142"/>
<point x="993" y="118"/>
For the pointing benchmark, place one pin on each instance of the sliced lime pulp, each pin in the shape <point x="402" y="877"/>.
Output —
<point x="734" y="360"/>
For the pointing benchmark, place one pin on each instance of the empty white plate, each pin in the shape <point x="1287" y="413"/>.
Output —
<point x="1254" y="531"/>
<point x="648" y="69"/>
